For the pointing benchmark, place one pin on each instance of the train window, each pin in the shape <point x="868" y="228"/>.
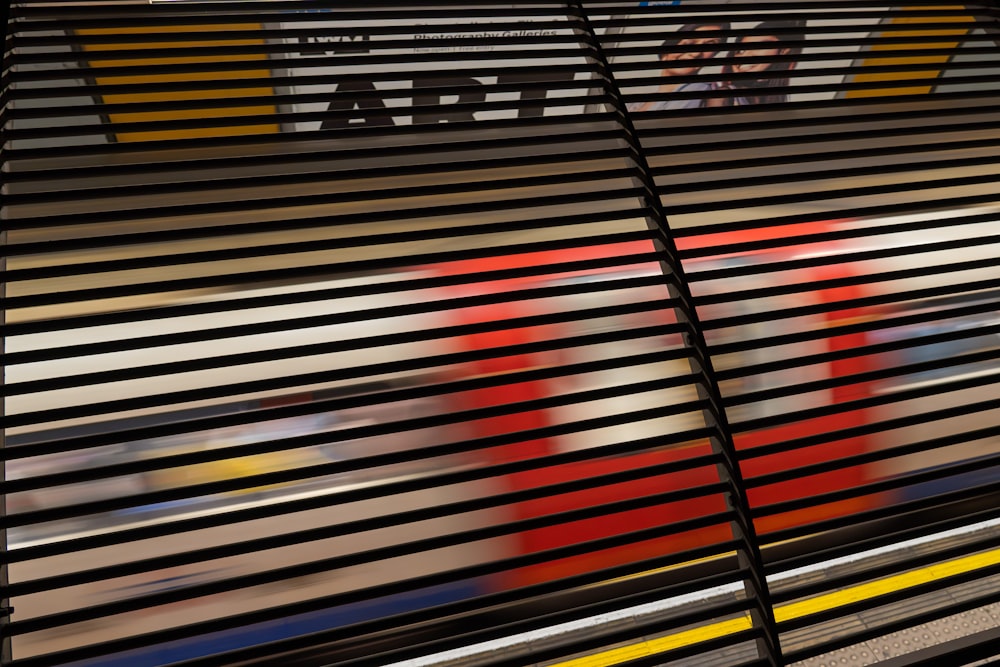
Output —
<point x="946" y="342"/>
<point x="731" y="364"/>
<point x="946" y="336"/>
<point x="728" y="363"/>
<point x="641" y="345"/>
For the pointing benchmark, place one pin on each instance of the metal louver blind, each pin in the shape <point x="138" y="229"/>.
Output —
<point x="356" y="335"/>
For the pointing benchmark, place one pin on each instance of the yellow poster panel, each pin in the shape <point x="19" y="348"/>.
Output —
<point x="162" y="57"/>
<point x="935" y="62"/>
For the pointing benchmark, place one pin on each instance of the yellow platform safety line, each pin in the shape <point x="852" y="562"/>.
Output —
<point x="661" y="645"/>
<point x="790" y="611"/>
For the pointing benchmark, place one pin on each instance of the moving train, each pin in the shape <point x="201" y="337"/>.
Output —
<point x="397" y="425"/>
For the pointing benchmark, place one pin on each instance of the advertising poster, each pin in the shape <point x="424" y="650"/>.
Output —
<point x="667" y="55"/>
<point x="383" y="70"/>
<point x="682" y="60"/>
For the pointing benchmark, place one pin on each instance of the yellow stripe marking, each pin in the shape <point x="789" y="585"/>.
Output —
<point x="886" y="57"/>
<point x="160" y="54"/>
<point x="654" y="646"/>
<point x="790" y="611"/>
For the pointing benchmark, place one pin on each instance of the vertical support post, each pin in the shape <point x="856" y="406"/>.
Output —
<point x="5" y="604"/>
<point x="749" y="555"/>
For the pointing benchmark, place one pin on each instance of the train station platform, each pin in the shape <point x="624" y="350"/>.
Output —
<point x="906" y="643"/>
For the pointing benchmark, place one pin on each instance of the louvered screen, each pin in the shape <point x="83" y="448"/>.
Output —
<point x="476" y="333"/>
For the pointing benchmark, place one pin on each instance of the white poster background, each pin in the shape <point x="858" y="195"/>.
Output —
<point x="399" y="92"/>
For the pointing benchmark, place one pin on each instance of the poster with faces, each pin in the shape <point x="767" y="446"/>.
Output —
<point x="686" y="60"/>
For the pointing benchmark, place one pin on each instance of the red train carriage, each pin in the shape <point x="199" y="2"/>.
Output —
<point x="632" y="415"/>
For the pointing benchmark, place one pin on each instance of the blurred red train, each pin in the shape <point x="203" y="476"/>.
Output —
<point x="578" y="354"/>
<point x="637" y="367"/>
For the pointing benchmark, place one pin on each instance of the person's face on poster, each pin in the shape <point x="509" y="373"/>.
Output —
<point x="757" y="46"/>
<point x="681" y="63"/>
